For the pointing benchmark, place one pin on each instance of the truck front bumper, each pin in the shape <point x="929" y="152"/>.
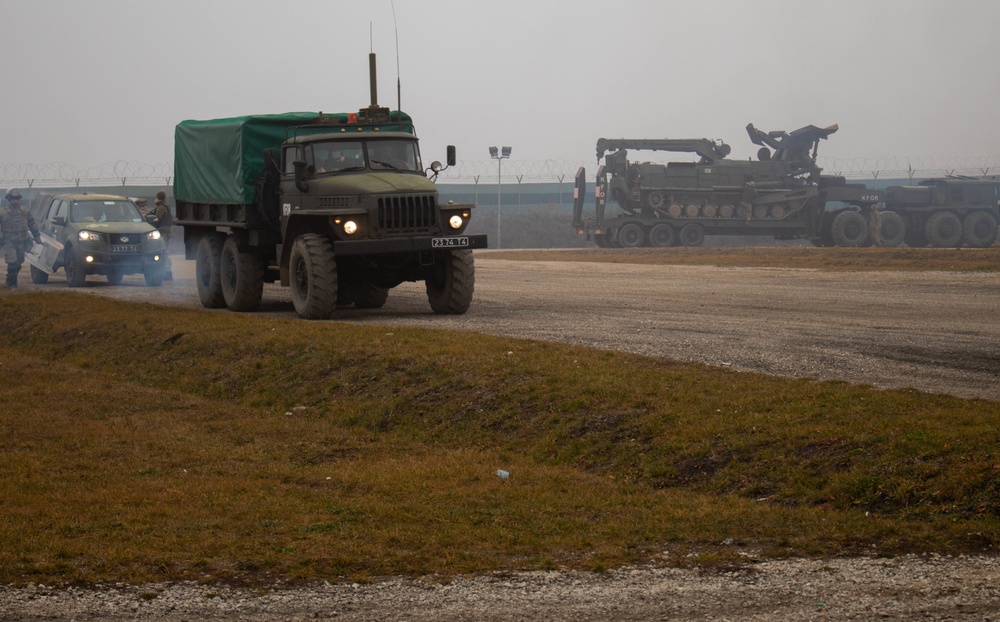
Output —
<point x="408" y="245"/>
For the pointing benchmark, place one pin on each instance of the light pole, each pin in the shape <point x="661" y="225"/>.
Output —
<point x="499" y="156"/>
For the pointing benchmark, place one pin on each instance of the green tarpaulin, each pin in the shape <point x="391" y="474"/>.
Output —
<point x="219" y="160"/>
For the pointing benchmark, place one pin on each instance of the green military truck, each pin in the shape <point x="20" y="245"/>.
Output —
<point x="946" y="212"/>
<point x="338" y="207"/>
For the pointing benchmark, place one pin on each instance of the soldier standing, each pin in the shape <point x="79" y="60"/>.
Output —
<point x="17" y="228"/>
<point x="161" y="218"/>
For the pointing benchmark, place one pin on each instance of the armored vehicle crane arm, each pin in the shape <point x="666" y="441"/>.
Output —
<point x="792" y="146"/>
<point x="709" y="150"/>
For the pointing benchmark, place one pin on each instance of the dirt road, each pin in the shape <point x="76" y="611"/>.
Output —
<point x="934" y="331"/>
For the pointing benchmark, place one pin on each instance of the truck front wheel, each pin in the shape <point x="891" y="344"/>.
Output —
<point x="207" y="272"/>
<point x="242" y="276"/>
<point x="313" y="269"/>
<point x="450" y="288"/>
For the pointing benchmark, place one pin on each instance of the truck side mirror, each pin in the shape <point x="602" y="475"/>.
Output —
<point x="300" y="175"/>
<point x="59" y="221"/>
<point x="451" y="155"/>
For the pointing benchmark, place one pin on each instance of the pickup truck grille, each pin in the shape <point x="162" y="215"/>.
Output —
<point x="127" y="239"/>
<point x="407" y="213"/>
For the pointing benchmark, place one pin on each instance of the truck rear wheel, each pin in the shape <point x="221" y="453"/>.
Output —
<point x="889" y="228"/>
<point x="662" y="235"/>
<point x="242" y="277"/>
<point x="849" y="229"/>
<point x="207" y="272"/>
<point x="979" y="230"/>
<point x="692" y="234"/>
<point x="631" y="235"/>
<point x="313" y="270"/>
<point x="944" y="230"/>
<point x="449" y="290"/>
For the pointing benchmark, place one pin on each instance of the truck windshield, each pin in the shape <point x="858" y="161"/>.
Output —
<point x="387" y="154"/>
<point x="104" y="211"/>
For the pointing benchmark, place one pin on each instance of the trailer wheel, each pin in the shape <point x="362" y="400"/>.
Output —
<point x="368" y="296"/>
<point x="242" y="277"/>
<point x="313" y="269"/>
<point x="207" y="274"/>
<point x="979" y="230"/>
<point x="449" y="289"/>
<point x="631" y="235"/>
<point x="39" y="277"/>
<point x="944" y="230"/>
<point x="889" y="228"/>
<point x="849" y="229"/>
<point x="662" y="235"/>
<point x="692" y="234"/>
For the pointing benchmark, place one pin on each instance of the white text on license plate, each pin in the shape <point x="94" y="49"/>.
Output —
<point x="449" y="242"/>
<point x="122" y="249"/>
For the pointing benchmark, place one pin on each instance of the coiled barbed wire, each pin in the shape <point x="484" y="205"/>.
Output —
<point x="486" y="171"/>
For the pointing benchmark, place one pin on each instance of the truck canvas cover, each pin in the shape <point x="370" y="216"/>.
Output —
<point x="219" y="160"/>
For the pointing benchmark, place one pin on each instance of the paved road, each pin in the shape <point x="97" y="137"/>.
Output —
<point x="934" y="331"/>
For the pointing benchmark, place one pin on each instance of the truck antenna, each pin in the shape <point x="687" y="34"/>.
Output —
<point x="399" y="88"/>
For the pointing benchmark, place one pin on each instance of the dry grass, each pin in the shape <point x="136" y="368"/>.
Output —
<point x="837" y="259"/>
<point x="141" y="443"/>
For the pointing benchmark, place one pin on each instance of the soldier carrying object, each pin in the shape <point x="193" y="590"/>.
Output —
<point x="16" y="223"/>
<point x="161" y="218"/>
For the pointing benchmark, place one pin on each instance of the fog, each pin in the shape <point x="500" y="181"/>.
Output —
<point x="88" y="83"/>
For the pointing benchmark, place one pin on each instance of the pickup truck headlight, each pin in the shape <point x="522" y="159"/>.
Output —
<point x="153" y="235"/>
<point x="88" y="236"/>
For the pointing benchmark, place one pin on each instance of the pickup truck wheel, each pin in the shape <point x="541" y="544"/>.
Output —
<point x="979" y="230"/>
<point x="944" y="230"/>
<point x="450" y="288"/>
<point x="39" y="277"/>
<point x="114" y="276"/>
<point x="889" y="228"/>
<point x="849" y="229"/>
<point x="76" y="273"/>
<point x="207" y="273"/>
<point x="368" y="296"/>
<point x="313" y="269"/>
<point x="242" y="277"/>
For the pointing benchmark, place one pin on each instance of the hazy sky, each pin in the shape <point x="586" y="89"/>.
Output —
<point x="97" y="81"/>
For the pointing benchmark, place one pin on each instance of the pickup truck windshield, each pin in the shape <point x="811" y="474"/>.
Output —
<point x="104" y="211"/>
<point x="376" y="155"/>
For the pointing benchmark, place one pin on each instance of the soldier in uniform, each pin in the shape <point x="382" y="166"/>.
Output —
<point x="17" y="228"/>
<point x="161" y="218"/>
<point x="143" y="206"/>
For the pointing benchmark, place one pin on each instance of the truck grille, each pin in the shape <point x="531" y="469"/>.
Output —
<point x="407" y="213"/>
<point x="132" y="240"/>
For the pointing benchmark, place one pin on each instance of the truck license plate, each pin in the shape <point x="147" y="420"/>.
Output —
<point x="449" y="242"/>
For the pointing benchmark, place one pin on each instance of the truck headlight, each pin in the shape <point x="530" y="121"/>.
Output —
<point x="350" y="227"/>
<point x="88" y="236"/>
<point x="153" y="235"/>
<point x="455" y="222"/>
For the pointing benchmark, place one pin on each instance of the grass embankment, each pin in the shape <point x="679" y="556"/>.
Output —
<point x="836" y="259"/>
<point x="141" y="443"/>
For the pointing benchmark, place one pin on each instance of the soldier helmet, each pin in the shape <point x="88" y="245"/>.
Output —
<point x="13" y="193"/>
<point x="161" y="196"/>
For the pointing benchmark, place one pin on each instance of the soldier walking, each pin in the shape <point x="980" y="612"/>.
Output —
<point x="17" y="228"/>
<point x="161" y="218"/>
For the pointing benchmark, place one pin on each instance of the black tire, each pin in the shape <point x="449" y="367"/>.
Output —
<point x="76" y="273"/>
<point x="944" y="230"/>
<point x="114" y="276"/>
<point x="631" y="235"/>
<point x="979" y="230"/>
<point x="449" y="290"/>
<point x="242" y="277"/>
<point x="207" y="273"/>
<point x="39" y="277"/>
<point x="889" y="228"/>
<point x="154" y="275"/>
<point x="313" y="270"/>
<point x="368" y="296"/>
<point x="662" y="235"/>
<point x="692" y="234"/>
<point x="849" y="229"/>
